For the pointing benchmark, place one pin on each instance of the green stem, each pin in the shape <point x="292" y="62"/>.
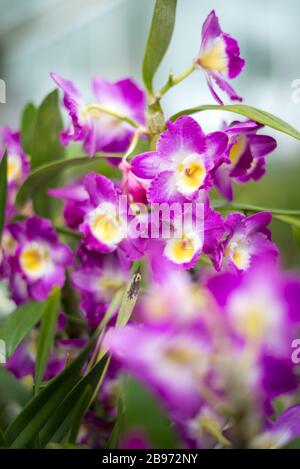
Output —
<point x="68" y="232"/>
<point x="98" y="107"/>
<point x="172" y="81"/>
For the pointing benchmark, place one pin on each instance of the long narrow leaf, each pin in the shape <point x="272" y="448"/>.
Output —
<point x="66" y="407"/>
<point x="3" y="443"/>
<point x="37" y="412"/>
<point x="11" y="389"/>
<point x="250" y="112"/>
<point x="129" y="299"/>
<point x="159" y="38"/>
<point x="41" y="175"/>
<point x="28" y="123"/>
<point x="19" y="323"/>
<point x="46" y="336"/>
<point x="79" y="412"/>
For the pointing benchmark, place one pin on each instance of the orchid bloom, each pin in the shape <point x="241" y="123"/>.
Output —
<point x="219" y="57"/>
<point x="182" y="163"/>
<point x="247" y="239"/>
<point x="246" y="156"/>
<point x="98" y="130"/>
<point x="38" y="257"/>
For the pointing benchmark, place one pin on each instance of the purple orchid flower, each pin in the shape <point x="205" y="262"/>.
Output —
<point x="75" y="199"/>
<point x="159" y="357"/>
<point x="39" y="258"/>
<point x="97" y="279"/>
<point x="182" y="163"/>
<point x="246" y="156"/>
<point x="185" y="235"/>
<point x="261" y="306"/>
<point x="219" y="57"/>
<point x="285" y="429"/>
<point x="99" y="131"/>
<point x="248" y="239"/>
<point x="107" y="222"/>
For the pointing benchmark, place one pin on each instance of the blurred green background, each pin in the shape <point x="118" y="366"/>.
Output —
<point x="83" y="38"/>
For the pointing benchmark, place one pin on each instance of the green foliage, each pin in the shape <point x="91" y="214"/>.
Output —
<point x="28" y="122"/>
<point x="38" y="178"/>
<point x="19" y="323"/>
<point x="41" y="133"/>
<point x="159" y="38"/>
<point x="140" y="410"/>
<point x="40" y="408"/>
<point x="250" y="112"/>
<point x="46" y="336"/>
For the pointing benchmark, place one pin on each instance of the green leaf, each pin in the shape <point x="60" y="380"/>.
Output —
<point x="46" y="336"/>
<point x="79" y="412"/>
<point x="294" y="444"/>
<point x="11" y="389"/>
<point x="46" y="145"/>
<point x="159" y="38"/>
<point x="291" y="217"/>
<point x="296" y="233"/>
<point x="250" y="112"/>
<point x="114" y="305"/>
<point x="129" y="299"/>
<point x="40" y="408"/>
<point x="3" y="190"/>
<point x="93" y="379"/>
<point x="45" y="148"/>
<point x="141" y="410"/>
<point x="40" y="176"/>
<point x="290" y="220"/>
<point x="3" y="443"/>
<point x="19" y="323"/>
<point x="28" y="122"/>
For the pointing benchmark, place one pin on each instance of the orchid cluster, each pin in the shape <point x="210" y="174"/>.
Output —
<point x="211" y="333"/>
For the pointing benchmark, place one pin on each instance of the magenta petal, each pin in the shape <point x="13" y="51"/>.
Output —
<point x="163" y="188"/>
<point x="134" y="97"/>
<point x="224" y="85"/>
<point x="223" y="181"/>
<point x="261" y="145"/>
<point x="185" y="134"/>
<point x="211" y="28"/>
<point x="147" y="165"/>
<point x="67" y="86"/>
<point x="216" y="146"/>
<point x="235" y="62"/>
<point x="99" y="188"/>
<point x="288" y="423"/>
<point x="257" y="222"/>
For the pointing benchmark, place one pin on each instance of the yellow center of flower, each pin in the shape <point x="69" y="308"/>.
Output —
<point x="190" y="174"/>
<point x="110" y="285"/>
<point x="106" y="225"/>
<point x="35" y="260"/>
<point x="14" y="168"/>
<point x="214" y="56"/>
<point x="180" y="355"/>
<point x="182" y="250"/>
<point x="237" y="149"/>
<point x="250" y="321"/>
<point x="239" y="255"/>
